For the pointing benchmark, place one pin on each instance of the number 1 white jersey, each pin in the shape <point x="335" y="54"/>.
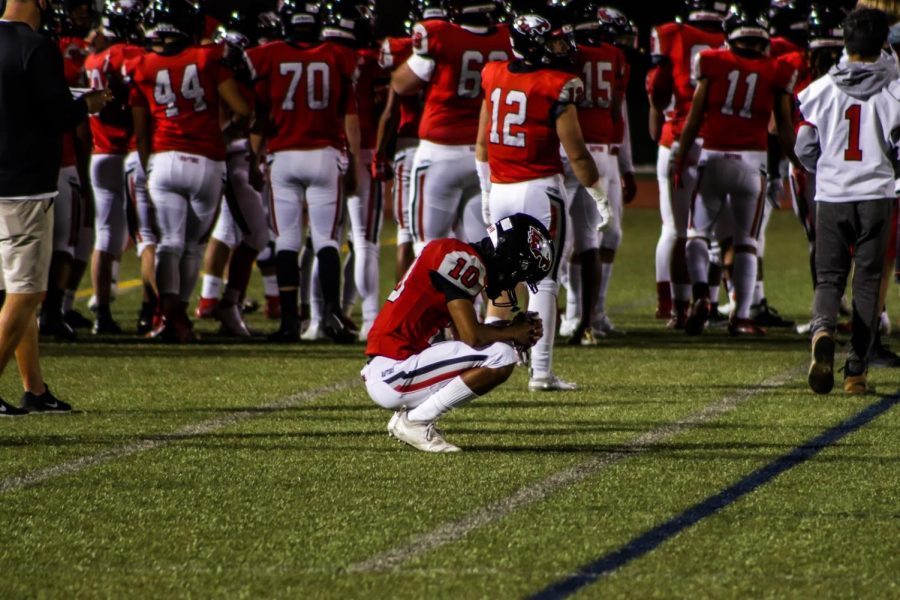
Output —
<point x="856" y="140"/>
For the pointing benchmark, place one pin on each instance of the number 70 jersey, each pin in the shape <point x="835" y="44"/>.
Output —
<point x="417" y="308"/>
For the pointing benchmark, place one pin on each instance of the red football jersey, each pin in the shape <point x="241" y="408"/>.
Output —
<point x="75" y="51"/>
<point x="74" y="75"/>
<point x="779" y="46"/>
<point x="182" y="96"/>
<point x="679" y="44"/>
<point x="798" y="61"/>
<point x="417" y="308"/>
<point x="454" y="93"/>
<point x="309" y="89"/>
<point x="740" y="98"/>
<point x="371" y="87"/>
<point x="112" y="128"/>
<point x="521" y="135"/>
<point x="395" y="52"/>
<point x="604" y="72"/>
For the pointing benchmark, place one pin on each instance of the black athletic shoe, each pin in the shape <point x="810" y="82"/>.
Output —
<point x="337" y="330"/>
<point x="286" y="334"/>
<point x="105" y="326"/>
<point x="881" y="357"/>
<point x="76" y="320"/>
<point x="56" y="327"/>
<point x="8" y="410"/>
<point x="46" y="403"/>
<point x="249" y="306"/>
<point x="766" y="316"/>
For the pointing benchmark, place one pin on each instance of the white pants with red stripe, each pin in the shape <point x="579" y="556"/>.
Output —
<point x="365" y="209"/>
<point x="403" y="166"/>
<point x="311" y="178"/>
<point x="108" y="181"/>
<point x="444" y="195"/>
<point x="243" y="216"/>
<point x="396" y="383"/>
<point x="145" y="229"/>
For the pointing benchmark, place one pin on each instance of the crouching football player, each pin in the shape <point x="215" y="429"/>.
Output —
<point x="421" y="381"/>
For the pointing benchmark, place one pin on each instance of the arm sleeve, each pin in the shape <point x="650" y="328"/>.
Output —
<point x="807" y="147"/>
<point x="50" y="92"/>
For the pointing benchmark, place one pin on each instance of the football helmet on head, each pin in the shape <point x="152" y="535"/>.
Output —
<point x="788" y="20"/>
<point x="172" y="19"/>
<point x="422" y="10"/>
<point x="705" y="11"/>
<point x="541" y="34"/>
<point x="122" y="20"/>
<point x="582" y="15"/>
<point x="350" y="22"/>
<point x="825" y="26"/>
<point x="268" y="27"/>
<point x="518" y="250"/>
<point x="477" y="13"/>
<point x="746" y="25"/>
<point x="299" y="20"/>
<point x="615" y="27"/>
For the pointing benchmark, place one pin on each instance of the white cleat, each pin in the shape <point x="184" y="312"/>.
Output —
<point x="421" y="436"/>
<point x="568" y="327"/>
<point x="603" y="327"/>
<point x="804" y="328"/>
<point x="314" y="333"/>
<point x="550" y="383"/>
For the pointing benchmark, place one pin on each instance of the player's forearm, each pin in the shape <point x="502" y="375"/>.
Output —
<point x="354" y="138"/>
<point x="405" y="82"/>
<point x="387" y="127"/>
<point x="585" y="169"/>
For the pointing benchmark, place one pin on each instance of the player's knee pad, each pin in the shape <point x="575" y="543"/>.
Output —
<point x="287" y="269"/>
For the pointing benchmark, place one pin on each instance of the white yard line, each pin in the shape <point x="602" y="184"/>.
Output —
<point x="189" y="431"/>
<point x="536" y="492"/>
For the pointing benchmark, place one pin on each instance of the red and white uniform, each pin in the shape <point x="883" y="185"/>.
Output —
<point x="405" y="368"/>
<point x="112" y="132"/>
<point x="187" y="167"/>
<point x="143" y="223"/>
<point x="803" y="184"/>
<point x="675" y="45"/>
<point x="444" y="180"/>
<point x="309" y="89"/>
<point x="395" y="52"/>
<point x="741" y="94"/>
<point x="526" y="169"/>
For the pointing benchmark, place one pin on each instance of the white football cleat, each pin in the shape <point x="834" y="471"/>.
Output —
<point x="314" y="333"/>
<point x="550" y="383"/>
<point x="568" y="327"/>
<point x="603" y="327"/>
<point x="421" y="436"/>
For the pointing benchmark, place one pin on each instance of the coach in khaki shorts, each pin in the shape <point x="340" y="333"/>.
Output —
<point x="36" y="108"/>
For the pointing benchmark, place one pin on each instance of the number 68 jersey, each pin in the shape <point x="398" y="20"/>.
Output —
<point x="182" y="94"/>
<point x="416" y="310"/>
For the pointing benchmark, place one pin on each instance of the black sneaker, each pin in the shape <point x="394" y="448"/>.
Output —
<point x="8" y="410"/>
<point x="881" y="357"/>
<point x="46" y="403"/>
<point x="286" y="334"/>
<point x="56" y="327"/>
<point x="105" y="325"/>
<point x="76" y="320"/>
<point x="337" y="330"/>
<point x="766" y="316"/>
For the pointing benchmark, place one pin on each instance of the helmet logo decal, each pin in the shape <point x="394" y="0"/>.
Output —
<point x="540" y="249"/>
<point x="528" y="24"/>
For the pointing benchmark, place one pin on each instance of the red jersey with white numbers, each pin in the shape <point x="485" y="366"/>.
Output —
<point x="309" y="88"/>
<point x="395" y="52"/>
<point x="678" y="44"/>
<point x="75" y="51"/>
<point x="181" y="93"/>
<point x="417" y="308"/>
<point x="453" y="95"/>
<point x="604" y="72"/>
<point x="371" y="95"/>
<point x="740" y="98"/>
<point x="521" y="137"/>
<point x="112" y="128"/>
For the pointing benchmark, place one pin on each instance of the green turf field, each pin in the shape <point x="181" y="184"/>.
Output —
<point x="682" y="468"/>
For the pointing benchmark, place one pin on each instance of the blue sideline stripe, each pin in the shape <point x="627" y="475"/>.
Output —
<point x="650" y="540"/>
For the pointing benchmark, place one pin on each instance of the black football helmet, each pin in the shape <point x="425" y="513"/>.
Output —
<point x="122" y="19"/>
<point x="582" y="15"/>
<point x="300" y="20"/>
<point x="825" y="26"/>
<point x="743" y="24"/>
<point x="518" y="249"/>
<point x="789" y="21"/>
<point x="349" y="22"/>
<point x="423" y="10"/>
<point x="535" y="29"/>
<point x="268" y="27"/>
<point x="706" y="11"/>
<point x="471" y="12"/>
<point x="615" y="27"/>
<point x="172" y="19"/>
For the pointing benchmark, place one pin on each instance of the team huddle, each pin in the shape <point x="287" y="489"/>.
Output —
<point x="499" y="132"/>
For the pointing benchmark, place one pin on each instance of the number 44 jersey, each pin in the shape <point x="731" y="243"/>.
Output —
<point x="417" y="309"/>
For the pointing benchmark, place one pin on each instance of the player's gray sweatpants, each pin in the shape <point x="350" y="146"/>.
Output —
<point x="841" y="228"/>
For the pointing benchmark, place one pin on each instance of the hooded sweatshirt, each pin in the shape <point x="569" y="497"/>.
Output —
<point x="846" y="136"/>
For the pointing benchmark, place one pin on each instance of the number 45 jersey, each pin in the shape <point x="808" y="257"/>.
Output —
<point x="308" y="88"/>
<point x="416" y="310"/>
<point x="181" y="93"/>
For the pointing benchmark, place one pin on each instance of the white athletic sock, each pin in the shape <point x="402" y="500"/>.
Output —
<point x="270" y="284"/>
<point x="714" y="293"/>
<point x="697" y="251"/>
<point x="455" y="393"/>
<point x="68" y="301"/>
<point x="573" y="292"/>
<point x="665" y="247"/>
<point x="212" y="287"/>
<point x="544" y="303"/>
<point x="313" y="295"/>
<point x="744" y="281"/>
<point x="605" y="275"/>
